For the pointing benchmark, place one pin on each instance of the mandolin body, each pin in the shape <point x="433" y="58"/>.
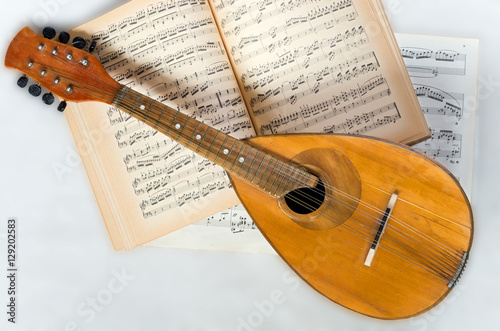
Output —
<point x="421" y="253"/>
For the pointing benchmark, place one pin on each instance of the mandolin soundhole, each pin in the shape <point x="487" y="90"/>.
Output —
<point x="306" y="200"/>
<point x="334" y="198"/>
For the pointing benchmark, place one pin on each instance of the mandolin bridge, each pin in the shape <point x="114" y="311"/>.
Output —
<point x="460" y="270"/>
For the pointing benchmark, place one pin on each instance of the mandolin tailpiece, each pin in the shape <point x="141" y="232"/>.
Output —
<point x="460" y="270"/>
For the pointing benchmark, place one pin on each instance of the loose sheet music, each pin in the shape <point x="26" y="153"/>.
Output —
<point x="444" y="74"/>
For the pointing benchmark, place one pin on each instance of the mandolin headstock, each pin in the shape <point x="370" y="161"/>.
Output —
<point x="66" y="71"/>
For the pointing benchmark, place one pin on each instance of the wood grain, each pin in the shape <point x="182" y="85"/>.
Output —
<point x="331" y="261"/>
<point x="422" y="249"/>
<point x="89" y="82"/>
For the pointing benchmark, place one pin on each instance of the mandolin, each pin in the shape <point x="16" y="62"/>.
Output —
<point x="373" y="225"/>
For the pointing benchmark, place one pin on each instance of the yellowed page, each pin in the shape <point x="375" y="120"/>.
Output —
<point x="320" y="66"/>
<point x="147" y="185"/>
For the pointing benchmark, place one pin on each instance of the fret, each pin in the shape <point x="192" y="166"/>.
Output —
<point x="245" y="158"/>
<point x="135" y="105"/>
<point x="235" y="142"/>
<point x="258" y="168"/>
<point x="225" y="151"/>
<point x="203" y="139"/>
<point x="289" y="179"/>
<point x="147" y="113"/>
<point x="121" y="95"/>
<point x="282" y="176"/>
<point x="192" y="134"/>
<point x="275" y="175"/>
<point x="267" y="172"/>
<point x="208" y="149"/>
<point x="172" y="123"/>
<point x="159" y="118"/>
<point x="234" y="161"/>
<point x="178" y="126"/>
<point x="253" y="161"/>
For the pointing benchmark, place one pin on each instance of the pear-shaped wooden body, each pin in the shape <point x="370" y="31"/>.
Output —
<point x="421" y="252"/>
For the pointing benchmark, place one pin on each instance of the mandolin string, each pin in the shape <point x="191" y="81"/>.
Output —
<point x="381" y="212"/>
<point x="142" y="114"/>
<point x="446" y="272"/>
<point x="137" y="114"/>
<point x="437" y="260"/>
<point x="301" y="202"/>
<point x="153" y="110"/>
<point x="104" y="94"/>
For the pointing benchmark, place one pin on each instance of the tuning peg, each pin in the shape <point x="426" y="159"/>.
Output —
<point x="64" y="37"/>
<point x="35" y="90"/>
<point x="48" y="98"/>
<point x="62" y="106"/>
<point x="79" y="42"/>
<point x="92" y="46"/>
<point x="22" y="81"/>
<point x="49" y="32"/>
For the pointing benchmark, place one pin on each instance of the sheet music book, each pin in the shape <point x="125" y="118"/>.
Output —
<point x="444" y="74"/>
<point x="257" y="68"/>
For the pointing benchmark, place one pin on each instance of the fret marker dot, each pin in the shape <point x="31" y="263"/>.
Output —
<point x="198" y="137"/>
<point x="241" y="159"/>
<point x="142" y="107"/>
<point x="177" y="126"/>
<point x="225" y="151"/>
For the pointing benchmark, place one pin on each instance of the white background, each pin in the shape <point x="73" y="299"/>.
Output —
<point x="66" y="261"/>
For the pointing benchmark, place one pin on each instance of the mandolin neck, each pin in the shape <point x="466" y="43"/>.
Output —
<point x="237" y="157"/>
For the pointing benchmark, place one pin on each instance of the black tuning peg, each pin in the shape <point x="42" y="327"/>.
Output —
<point x="64" y="37"/>
<point x="49" y="32"/>
<point x="35" y="90"/>
<point x="48" y="98"/>
<point x="22" y="81"/>
<point x="92" y="46"/>
<point x="79" y="42"/>
<point x="62" y="106"/>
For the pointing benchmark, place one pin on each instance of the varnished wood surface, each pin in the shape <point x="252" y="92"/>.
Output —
<point x="426" y="236"/>
<point x="88" y="82"/>
<point x="331" y="261"/>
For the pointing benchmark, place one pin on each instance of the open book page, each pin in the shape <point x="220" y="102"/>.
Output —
<point x="147" y="185"/>
<point x="444" y="73"/>
<point x="320" y="66"/>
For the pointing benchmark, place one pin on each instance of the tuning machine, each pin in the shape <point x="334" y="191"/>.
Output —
<point x="48" y="98"/>
<point x="22" y="81"/>
<point x="62" y="105"/>
<point x="35" y="90"/>
<point x="49" y="32"/>
<point x="64" y="37"/>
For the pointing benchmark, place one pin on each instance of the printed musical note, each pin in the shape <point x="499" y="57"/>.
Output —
<point x="448" y="112"/>
<point x="236" y="219"/>
<point x="170" y="51"/>
<point x="427" y="63"/>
